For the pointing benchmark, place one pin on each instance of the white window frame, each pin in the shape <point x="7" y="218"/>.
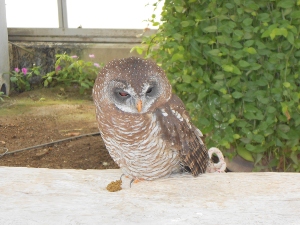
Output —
<point x="79" y="35"/>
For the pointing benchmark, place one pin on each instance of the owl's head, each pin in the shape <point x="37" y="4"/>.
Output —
<point x="132" y="85"/>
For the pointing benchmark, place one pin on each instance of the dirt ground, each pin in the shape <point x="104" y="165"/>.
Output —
<point x="47" y="115"/>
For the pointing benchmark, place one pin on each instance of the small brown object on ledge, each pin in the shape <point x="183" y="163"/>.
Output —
<point x="114" y="186"/>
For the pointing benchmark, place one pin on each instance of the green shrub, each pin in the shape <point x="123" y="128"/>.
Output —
<point x="236" y="65"/>
<point x="71" y="70"/>
<point x="1" y="96"/>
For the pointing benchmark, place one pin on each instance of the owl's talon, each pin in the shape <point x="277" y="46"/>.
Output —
<point x="122" y="176"/>
<point x="136" y="180"/>
<point x="132" y="182"/>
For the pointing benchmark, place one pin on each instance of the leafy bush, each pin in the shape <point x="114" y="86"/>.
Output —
<point x="70" y="70"/>
<point x="1" y="96"/>
<point x="21" y="78"/>
<point x="236" y="65"/>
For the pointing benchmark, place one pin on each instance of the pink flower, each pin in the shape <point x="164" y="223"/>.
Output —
<point x="17" y="70"/>
<point x="74" y="56"/>
<point x="97" y="65"/>
<point x="24" y="71"/>
<point x="58" y="68"/>
<point x="91" y="55"/>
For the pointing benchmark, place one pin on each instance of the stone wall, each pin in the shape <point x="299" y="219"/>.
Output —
<point x="25" y="54"/>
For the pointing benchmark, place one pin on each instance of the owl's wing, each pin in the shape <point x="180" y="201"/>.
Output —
<point x="182" y="135"/>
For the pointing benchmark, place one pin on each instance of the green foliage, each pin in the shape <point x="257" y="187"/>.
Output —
<point x="1" y="96"/>
<point x="70" y="70"/>
<point x="236" y="65"/>
<point x="21" y="78"/>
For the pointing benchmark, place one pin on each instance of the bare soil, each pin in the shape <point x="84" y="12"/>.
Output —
<point x="47" y="115"/>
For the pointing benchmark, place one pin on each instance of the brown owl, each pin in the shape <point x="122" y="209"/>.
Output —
<point x="146" y="127"/>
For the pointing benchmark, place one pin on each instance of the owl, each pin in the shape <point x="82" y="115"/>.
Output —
<point x="145" y="127"/>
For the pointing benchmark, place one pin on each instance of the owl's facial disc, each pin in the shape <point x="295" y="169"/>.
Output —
<point x="125" y="97"/>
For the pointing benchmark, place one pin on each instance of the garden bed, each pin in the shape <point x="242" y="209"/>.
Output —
<point x="46" y="115"/>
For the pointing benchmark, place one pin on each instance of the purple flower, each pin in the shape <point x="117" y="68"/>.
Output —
<point x="17" y="70"/>
<point x="91" y="55"/>
<point x="24" y="71"/>
<point x="58" y="68"/>
<point x="74" y="56"/>
<point x="97" y="65"/>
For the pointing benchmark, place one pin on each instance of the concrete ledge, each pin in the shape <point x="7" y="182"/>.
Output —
<point x="47" y="196"/>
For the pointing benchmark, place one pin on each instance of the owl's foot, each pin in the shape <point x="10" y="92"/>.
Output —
<point x="122" y="176"/>
<point x="136" y="180"/>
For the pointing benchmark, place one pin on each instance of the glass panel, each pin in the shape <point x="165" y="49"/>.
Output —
<point x="32" y="13"/>
<point x="125" y="14"/>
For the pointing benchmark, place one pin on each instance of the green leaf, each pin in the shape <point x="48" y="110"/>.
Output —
<point x="250" y="108"/>
<point x="237" y="94"/>
<point x="297" y="43"/>
<point x="294" y="157"/>
<point x="214" y="52"/>
<point x="233" y="81"/>
<point x="236" y="45"/>
<point x="250" y="147"/>
<point x="249" y="43"/>
<point x="139" y="50"/>
<point x="295" y="14"/>
<point x="243" y="63"/>
<point x="263" y="17"/>
<point x="236" y="70"/>
<point x="282" y="135"/>
<point x="219" y="76"/>
<point x="263" y="100"/>
<point x="262" y="82"/>
<point x="186" y="78"/>
<point x="290" y="37"/>
<point x="85" y="85"/>
<point x="176" y="57"/>
<point x="286" y="4"/>
<point x="259" y="138"/>
<point x="187" y="23"/>
<point x="210" y="29"/>
<point x="228" y="68"/>
<point x="236" y="136"/>
<point x="278" y="32"/>
<point x="284" y="128"/>
<point x="245" y="154"/>
<point x="231" y="69"/>
<point x="13" y="79"/>
<point x="247" y="21"/>
<point x="271" y="109"/>
<point x="179" y="9"/>
<point x="286" y="84"/>
<point x="250" y="50"/>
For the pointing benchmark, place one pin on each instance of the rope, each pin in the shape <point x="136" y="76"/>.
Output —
<point x="2" y="154"/>
<point x="49" y="144"/>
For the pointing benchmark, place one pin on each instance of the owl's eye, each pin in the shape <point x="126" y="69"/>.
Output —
<point x="123" y="94"/>
<point x="149" y="90"/>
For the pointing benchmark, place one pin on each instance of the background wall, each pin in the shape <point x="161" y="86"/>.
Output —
<point x="25" y="54"/>
<point x="39" y="45"/>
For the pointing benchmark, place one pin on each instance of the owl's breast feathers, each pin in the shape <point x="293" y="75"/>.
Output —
<point x="182" y="135"/>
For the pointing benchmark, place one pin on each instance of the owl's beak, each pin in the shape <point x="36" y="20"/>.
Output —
<point x="139" y="105"/>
